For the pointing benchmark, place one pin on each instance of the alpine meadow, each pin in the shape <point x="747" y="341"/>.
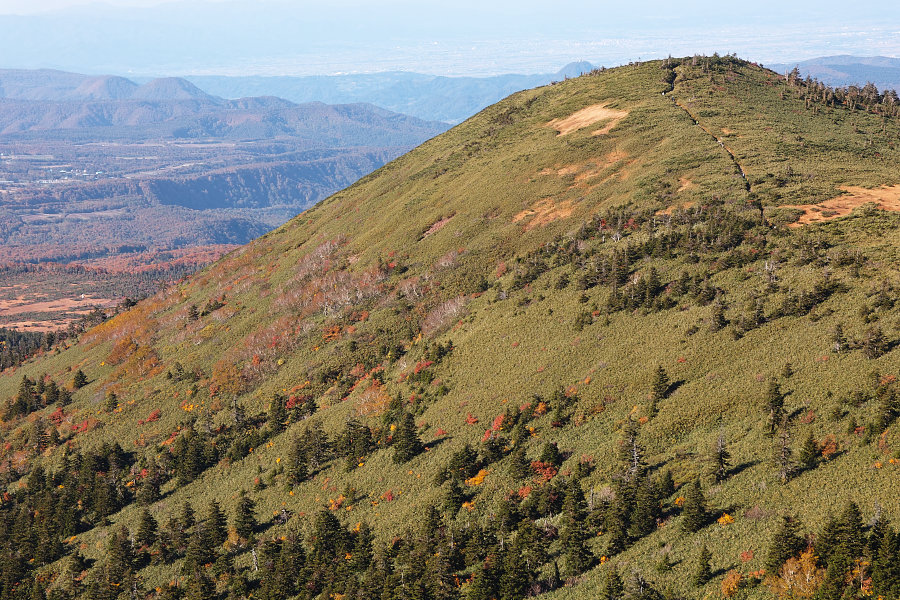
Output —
<point x="629" y="335"/>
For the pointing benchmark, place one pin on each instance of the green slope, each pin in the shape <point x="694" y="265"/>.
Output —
<point x="564" y="269"/>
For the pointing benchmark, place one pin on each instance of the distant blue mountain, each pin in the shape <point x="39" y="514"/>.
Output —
<point x="844" y="70"/>
<point x="61" y="86"/>
<point x="429" y="97"/>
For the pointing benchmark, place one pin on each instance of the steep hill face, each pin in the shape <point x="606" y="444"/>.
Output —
<point x="615" y="328"/>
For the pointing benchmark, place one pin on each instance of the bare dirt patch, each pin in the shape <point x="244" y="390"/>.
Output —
<point x="686" y="184"/>
<point x="885" y="198"/>
<point x="436" y="226"/>
<point x="589" y="116"/>
<point x="543" y="212"/>
<point x="588" y="169"/>
<point x="674" y="207"/>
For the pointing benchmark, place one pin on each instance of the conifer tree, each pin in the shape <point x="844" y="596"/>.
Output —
<point x="244" y="517"/>
<point x="515" y="580"/>
<point x="645" y="508"/>
<point x="774" y="406"/>
<point x="659" y="387"/>
<point x="703" y="572"/>
<point x="327" y="537"/>
<point x="837" y="573"/>
<point x="199" y="586"/>
<point x="616" y="526"/>
<point x="718" y="320"/>
<point x="720" y="460"/>
<point x="80" y="380"/>
<point x="147" y="530"/>
<point x="119" y="562"/>
<point x="828" y="541"/>
<point x="438" y="579"/>
<point x="852" y="539"/>
<point x="216" y="525"/>
<point x="316" y="446"/>
<point x="149" y="491"/>
<point x="454" y="497"/>
<point x="694" y="512"/>
<point x="484" y="583"/>
<point x="363" y="552"/>
<point x="786" y="543"/>
<point x="51" y="394"/>
<point x="665" y="485"/>
<point x="186" y="520"/>
<point x="574" y="534"/>
<point x="406" y="441"/>
<point x="783" y="458"/>
<point x="200" y="549"/>
<point x="886" y="565"/>
<point x="550" y="454"/>
<point x="519" y="467"/>
<point x="809" y="453"/>
<point x="887" y="408"/>
<point x="111" y="402"/>
<point x="612" y="587"/>
<point x="297" y="471"/>
<point x="277" y="413"/>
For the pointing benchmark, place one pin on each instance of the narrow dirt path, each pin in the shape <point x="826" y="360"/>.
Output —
<point x="734" y="159"/>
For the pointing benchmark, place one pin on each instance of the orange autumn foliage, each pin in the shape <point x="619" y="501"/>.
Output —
<point x="732" y="583"/>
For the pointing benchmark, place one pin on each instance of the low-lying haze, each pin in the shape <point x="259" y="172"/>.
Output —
<point x="277" y="37"/>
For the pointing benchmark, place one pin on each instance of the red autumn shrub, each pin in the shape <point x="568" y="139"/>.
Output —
<point x="57" y="416"/>
<point x="543" y="471"/>
<point x="497" y="425"/>
<point x="422" y="366"/>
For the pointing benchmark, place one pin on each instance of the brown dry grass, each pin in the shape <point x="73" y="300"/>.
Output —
<point x="19" y="306"/>
<point x="885" y="198"/>
<point x="674" y="207"/>
<point x="543" y="212"/>
<point x="39" y="326"/>
<point x="589" y="169"/>
<point x="588" y="116"/>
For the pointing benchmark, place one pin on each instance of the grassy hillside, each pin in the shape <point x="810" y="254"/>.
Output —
<point x="515" y="282"/>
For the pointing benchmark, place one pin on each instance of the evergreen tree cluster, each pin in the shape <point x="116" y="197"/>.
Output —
<point x="34" y="395"/>
<point x="857" y="560"/>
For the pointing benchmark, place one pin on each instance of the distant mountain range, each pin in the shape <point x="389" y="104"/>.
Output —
<point x="430" y="97"/>
<point x="90" y="165"/>
<point x="54" y="104"/>
<point x="844" y="70"/>
<point x="48" y="84"/>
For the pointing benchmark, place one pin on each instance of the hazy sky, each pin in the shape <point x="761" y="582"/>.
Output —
<point x="148" y="37"/>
